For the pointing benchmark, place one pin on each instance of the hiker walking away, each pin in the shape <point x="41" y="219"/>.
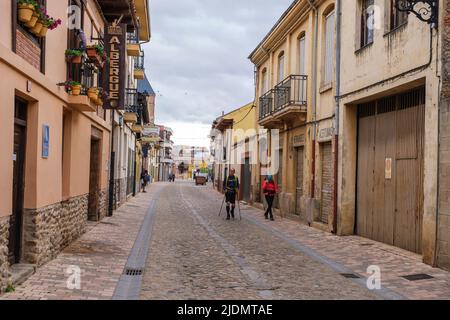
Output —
<point x="231" y="187"/>
<point x="145" y="178"/>
<point x="270" y="189"/>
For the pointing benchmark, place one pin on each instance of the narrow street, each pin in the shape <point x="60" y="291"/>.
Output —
<point x="179" y="248"/>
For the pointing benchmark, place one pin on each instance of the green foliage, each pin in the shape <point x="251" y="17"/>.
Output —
<point x="73" y="53"/>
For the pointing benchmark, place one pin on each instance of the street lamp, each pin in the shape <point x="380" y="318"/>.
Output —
<point x="426" y="10"/>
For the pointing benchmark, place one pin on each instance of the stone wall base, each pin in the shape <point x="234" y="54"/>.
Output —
<point x="4" y="264"/>
<point x="48" y="230"/>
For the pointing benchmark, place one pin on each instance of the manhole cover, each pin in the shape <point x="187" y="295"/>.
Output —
<point x="133" y="272"/>
<point x="350" y="275"/>
<point x="417" y="277"/>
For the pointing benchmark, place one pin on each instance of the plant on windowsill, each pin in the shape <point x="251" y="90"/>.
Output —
<point x="97" y="54"/>
<point x="74" y="56"/>
<point x="26" y="9"/>
<point x="48" y="23"/>
<point x="74" y="88"/>
<point x="93" y="93"/>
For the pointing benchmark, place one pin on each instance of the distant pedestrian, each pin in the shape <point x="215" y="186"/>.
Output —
<point x="231" y="187"/>
<point x="270" y="189"/>
<point x="145" y="179"/>
<point x="173" y="177"/>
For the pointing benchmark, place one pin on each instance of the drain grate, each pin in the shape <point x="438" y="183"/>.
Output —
<point x="417" y="277"/>
<point x="350" y="276"/>
<point x="133" y="272"/>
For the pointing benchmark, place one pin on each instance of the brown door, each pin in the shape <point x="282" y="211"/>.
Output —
<point x="15" y="231"/>
<point x="299" y="173"/>
<point x="390" y="170"/>
<point x="94" y="180"/>
<point x="327" y="181"/>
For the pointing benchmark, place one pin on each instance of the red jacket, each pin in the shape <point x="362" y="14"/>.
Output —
<point x="270" y="188"/>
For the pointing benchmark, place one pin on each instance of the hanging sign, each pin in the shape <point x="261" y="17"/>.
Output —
<point x="115" y="71"/>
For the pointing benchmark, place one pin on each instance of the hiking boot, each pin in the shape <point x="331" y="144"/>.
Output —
<point x="272" y="219"/>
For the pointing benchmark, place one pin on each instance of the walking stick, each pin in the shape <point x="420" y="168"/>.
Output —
<point x="220" y="212"/>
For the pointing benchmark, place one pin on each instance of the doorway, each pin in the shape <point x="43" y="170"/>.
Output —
<point x="19" y="156"/>
<point x="94" y="180"/>
<point x="246" y="180"/>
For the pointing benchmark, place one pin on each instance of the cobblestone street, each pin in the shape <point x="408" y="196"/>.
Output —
<point x="195" y="254"/>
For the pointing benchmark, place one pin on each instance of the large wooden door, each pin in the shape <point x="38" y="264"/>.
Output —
<point x="94" y="180"/>
<point x="299" y="182"/>
<point x="19" y="152"/>
<point x="326" y="208"/>
<point x="390" y="170"/>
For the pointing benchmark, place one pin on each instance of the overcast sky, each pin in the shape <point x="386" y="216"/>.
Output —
<point x="197" y="59"/>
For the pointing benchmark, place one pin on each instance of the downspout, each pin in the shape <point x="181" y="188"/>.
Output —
<point x="112" y="168"/>
<point x="314" y="96"/>
<point x="336" y="115"/>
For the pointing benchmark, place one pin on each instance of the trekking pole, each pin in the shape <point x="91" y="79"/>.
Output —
<point x="220" y="212"/>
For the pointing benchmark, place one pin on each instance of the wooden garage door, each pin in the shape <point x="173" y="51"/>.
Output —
<point x="299" y="191"/>
<point x="390" y="170"/>
<point x="326" y="154"/>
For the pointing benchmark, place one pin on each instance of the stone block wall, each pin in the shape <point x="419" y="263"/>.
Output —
<point x="443" y="248"/>
<point x="49" y="230"/>
<point x="4" y="265"/>
<point x="103" y="203"/>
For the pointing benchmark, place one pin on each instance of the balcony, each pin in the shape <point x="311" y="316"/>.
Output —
<point x="266" y="108"/>
<point x="139" y="68"/>
<point x="287" y="102"/>
<point x="133" y="46"/>
<point x="133" y="111"/>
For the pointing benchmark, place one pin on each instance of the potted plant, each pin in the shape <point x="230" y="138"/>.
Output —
<point x="74" y="88"/>
<point x="30" y="24"/>
<point x="47" y="23"/>
<point x="91" y="51"/>
<point x="26" y="9"/>
<point x="93" y="93"/>
<point x="74" y="56"/>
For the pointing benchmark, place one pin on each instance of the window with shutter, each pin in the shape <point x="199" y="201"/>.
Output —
<point x="329" y="48"/>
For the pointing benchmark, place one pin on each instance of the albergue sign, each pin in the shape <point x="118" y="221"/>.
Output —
<point x="115" y="71"/>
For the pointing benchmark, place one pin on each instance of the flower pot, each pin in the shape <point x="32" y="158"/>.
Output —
<point x="93" y="94"/>
<point x="37" y="28"/>
<point x="30" y="24"/>
<point x="43" y="32"/>
<point x="76" y="59"/>
<point x="25" y="12"/>
<point x="75" y="90"/>
<point x="91" y="52"/>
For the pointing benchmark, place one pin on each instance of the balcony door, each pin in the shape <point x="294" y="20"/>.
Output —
<point x="302" y="55"/>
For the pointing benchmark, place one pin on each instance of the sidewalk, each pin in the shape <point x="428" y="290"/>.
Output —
<point x="357" y="254"/>
<point x="101" y="254"/>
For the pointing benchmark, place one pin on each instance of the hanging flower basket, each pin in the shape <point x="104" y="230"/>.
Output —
<point x="25" y="10"/>
<point x="74" y="56"/>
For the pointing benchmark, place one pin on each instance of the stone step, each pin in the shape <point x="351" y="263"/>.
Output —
<point x="21" y="272"/>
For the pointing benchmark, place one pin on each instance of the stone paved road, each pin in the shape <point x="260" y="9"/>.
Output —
<point x="194" y="254"/>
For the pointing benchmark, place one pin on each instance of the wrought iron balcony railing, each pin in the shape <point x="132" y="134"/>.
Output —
<point x="266" y="104"/>
<point x="132" y="104"/>
<point x="132" y="37"/>
<point x="291" y="91"/>
<point x="139" y="61"/>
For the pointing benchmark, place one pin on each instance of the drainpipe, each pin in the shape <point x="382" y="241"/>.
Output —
<point x="336" y="116"/>
<point x="112" y="166"/>
<point x="314" y="96"/>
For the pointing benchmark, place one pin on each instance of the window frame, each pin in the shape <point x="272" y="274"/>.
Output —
<point x="281" y="66"/>
<point x="325" y="81"/>
<point x="367" y="35"/>
<point x="394" y="17"/>
<point x="15" y="25"/>
<point x="302" y="54"/>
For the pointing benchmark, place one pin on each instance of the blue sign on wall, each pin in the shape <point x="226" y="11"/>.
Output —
<point x="45" y="141"/>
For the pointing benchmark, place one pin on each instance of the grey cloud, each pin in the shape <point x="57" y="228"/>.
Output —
<point x="197" y="59"/>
